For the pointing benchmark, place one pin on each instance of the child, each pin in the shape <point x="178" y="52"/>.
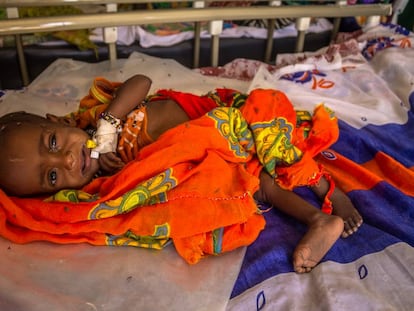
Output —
<point x="59" y="157"/>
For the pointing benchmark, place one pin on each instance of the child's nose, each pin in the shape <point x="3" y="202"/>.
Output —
<point x="65" y="159"/>
<point x="69" y="161"/>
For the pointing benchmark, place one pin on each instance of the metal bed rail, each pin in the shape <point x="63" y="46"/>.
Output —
<point x="199" y="12"/>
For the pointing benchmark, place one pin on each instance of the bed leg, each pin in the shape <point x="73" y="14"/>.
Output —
<point x="270" y="31"/>
<point x="197" y="41"/>
<point x="197" y="36"/>
<point x="335" y="29"/>
<point x="22" y="60"/>
<point x="111" y="34"/>
<point x="14" y="13"/>
<point x="269" y="44"/>
<point x="112" y="51"/>
<point x="215" y="28"/>
<point x="337" y="20"/>
<point x="302" y="24"/>
<point x="215" y="47"/>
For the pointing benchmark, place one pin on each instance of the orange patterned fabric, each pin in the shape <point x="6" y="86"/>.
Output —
<point x="198" y="194"/>
<point x="286" y="140"/>
<point x="296" y="136"/>
<point x="189" y="197"/>
<point x="286" y="147"/>
<point x="134" y="135"/>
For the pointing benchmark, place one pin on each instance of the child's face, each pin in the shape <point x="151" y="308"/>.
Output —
<point x="41" y="156"/>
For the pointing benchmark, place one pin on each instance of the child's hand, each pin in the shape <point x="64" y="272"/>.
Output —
<point x="110" y="163"/>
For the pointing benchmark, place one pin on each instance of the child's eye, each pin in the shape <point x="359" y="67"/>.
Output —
<point x="52" y="177"/>
<point x="52" y="143"/>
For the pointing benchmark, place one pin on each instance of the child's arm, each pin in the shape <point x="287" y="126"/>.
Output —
<point x="131" y="93"/>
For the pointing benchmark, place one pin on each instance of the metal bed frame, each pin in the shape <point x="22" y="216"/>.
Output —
<point x="199" y="12"/>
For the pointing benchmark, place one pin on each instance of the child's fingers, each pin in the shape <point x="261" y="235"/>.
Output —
<point x="110" y="162"/>
<point x="121" y="149"/>
<point x="122" y="154"/>
<point x="129" y="153"/>
<point x="127" y="147"/>
<point x="134" y="151"/>
<point x="112" y="157"/>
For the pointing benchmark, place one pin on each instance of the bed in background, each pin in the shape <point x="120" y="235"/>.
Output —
<point x="197" y="41"/>
<point x="367" y="78"/>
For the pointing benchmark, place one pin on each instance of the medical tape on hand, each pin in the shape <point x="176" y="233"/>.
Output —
<point x="106" y="138"/>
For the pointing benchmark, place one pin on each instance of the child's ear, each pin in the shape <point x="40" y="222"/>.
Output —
<point x="62" y="120"/>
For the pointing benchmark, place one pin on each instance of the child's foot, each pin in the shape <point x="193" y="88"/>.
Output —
<point x="320" y="237"/>
<point x="343" y="207"/>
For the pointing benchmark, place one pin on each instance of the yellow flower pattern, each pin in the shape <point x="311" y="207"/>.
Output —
<point x="71" y="195"/>
<point x="271" y="140"/>
<point x="151" y="191"/>
<point x="158" y="240"/>
<point x="231" y="124"/>
<point x="273" y="143"/>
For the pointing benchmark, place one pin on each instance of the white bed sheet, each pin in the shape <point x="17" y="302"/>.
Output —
<point x="43" y="276"/>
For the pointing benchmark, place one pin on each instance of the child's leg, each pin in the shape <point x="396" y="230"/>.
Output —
<point x="342" y="207"/>
<point x="323" y="230"/>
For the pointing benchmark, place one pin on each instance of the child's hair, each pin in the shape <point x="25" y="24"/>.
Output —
<point x="18" y="116"/>
<point x="8" y="122"/>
